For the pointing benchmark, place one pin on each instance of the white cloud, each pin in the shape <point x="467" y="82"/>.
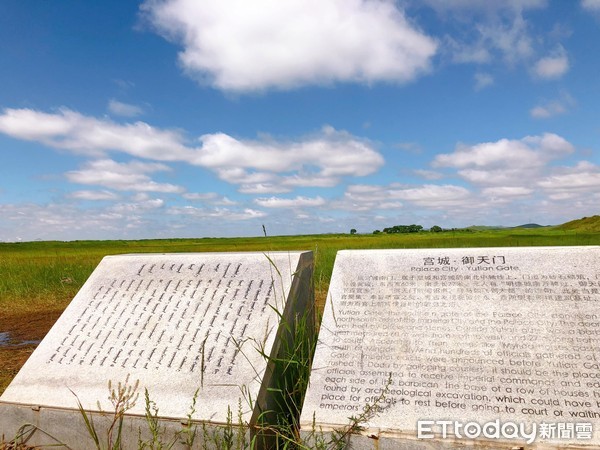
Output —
<point x="209" y="197"/>
<point x="337" y="153"/>
<point x="496" y="37"/>
<point x="147" y="218"/>
<point x="573" y="181"/>
<point x="217" y="213"/>
<point x="393" y="196"/>
<point x="140" y="197"/>
<point x="60" y="221"/>
<point x="138" y="207"/>
<point x="433" y="196"/>
<point x="89" y="136"/>
<point x="498" y="176"/>
<point x="483" y="80"/>
<point x="548" y="110"/>
<point x="94" y="195"/>
<point x="263" y="188"/>
<point x="124" y="109"/>
<point x="365" y="198"/>
<point x="531" y="150"/>
<point x="512" y="40"/>
<point x="489" y="32"/>
<point x="591" y="5"/>
<point x="298" y="202"/>
<point x="507" y="191"/>
<point x="224" y="201"/>
<point x="318" y="161"/>
<point x="229" y="43"/>
<point x="122" y="176"/>
<point x="462" y="52"/>
<point x="552" y="108"/>
<point x="505" y="162"/>
<point x="553" y="66"/>
<point x="257" y="166"/>
<point x="429" y="174"/>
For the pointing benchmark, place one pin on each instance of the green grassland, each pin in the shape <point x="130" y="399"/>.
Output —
<point x="46" y="275"/>
<point x="587" y="224"/>
<point x="39" y="277"/>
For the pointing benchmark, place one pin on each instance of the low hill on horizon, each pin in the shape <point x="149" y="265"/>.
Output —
<point x="531" y="225"/>
<point x="583" y="224"/>
<point x="501" y="227"/>
<point x="484" y="227"/>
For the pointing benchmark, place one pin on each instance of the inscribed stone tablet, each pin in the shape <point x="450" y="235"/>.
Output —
<point x="176" y="323"/>
<point x="466" y="335"/>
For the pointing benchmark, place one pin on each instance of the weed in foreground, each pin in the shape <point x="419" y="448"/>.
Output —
<point x="123" y="398"/>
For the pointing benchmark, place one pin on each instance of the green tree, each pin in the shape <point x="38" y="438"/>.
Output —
<point x="353" y="231"/>
<point x="435" y="229"/>
<point x="403" y="229"/>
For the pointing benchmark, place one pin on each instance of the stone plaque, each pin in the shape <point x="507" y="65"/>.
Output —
<point x="455" y="337"/>
<point x="176" y="323"/>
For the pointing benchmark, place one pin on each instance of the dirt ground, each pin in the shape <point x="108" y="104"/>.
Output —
<point x="29" y="327"/>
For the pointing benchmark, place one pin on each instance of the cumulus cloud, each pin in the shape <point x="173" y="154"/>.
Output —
<point x="61" y="221"/>
<point x="505" y="162"/>
<point x="318" y="161"/>
<point x="553" y="66"/>
<point x="298" y="202"/>
<point x="429" y="174"/>
<point x="138" y="207"/>
<point x="124" y="109"/>
<point x="257" y="166"/>
<point x="206" y="196"/>
<point x="84" y="135"/>
<point x="395" y="196"/>
<point x="432" y="195"/>
<point x="569" y="182"/>
<point x="94" y="195"/>
<point x="507" y="192"/>
<point x="366" y="198"/>
<point x="229" y="43"/>
<point x="130" y="176"/>
<point x="263" y="188"/>
<point x="217" y="213"/>
<point x="147" y="218"/>
<point x="209" y="197"/>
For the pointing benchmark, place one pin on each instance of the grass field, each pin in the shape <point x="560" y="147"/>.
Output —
<point x="46" y="275"/>
<point x="38" y="279"/>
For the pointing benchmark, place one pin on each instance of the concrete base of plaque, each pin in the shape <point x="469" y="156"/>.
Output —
<point x="454" y="348"/>
<point x="175" y="324"/>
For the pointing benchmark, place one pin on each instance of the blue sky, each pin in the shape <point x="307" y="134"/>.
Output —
<point x="190" y="118"/>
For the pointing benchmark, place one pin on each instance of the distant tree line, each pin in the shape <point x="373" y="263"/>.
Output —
<point x="412" y="229"/>
<point x="403" y="229"/>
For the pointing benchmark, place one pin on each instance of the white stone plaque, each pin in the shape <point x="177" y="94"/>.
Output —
<point x="461" y="335"/>
<point x="176" y="323"/>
